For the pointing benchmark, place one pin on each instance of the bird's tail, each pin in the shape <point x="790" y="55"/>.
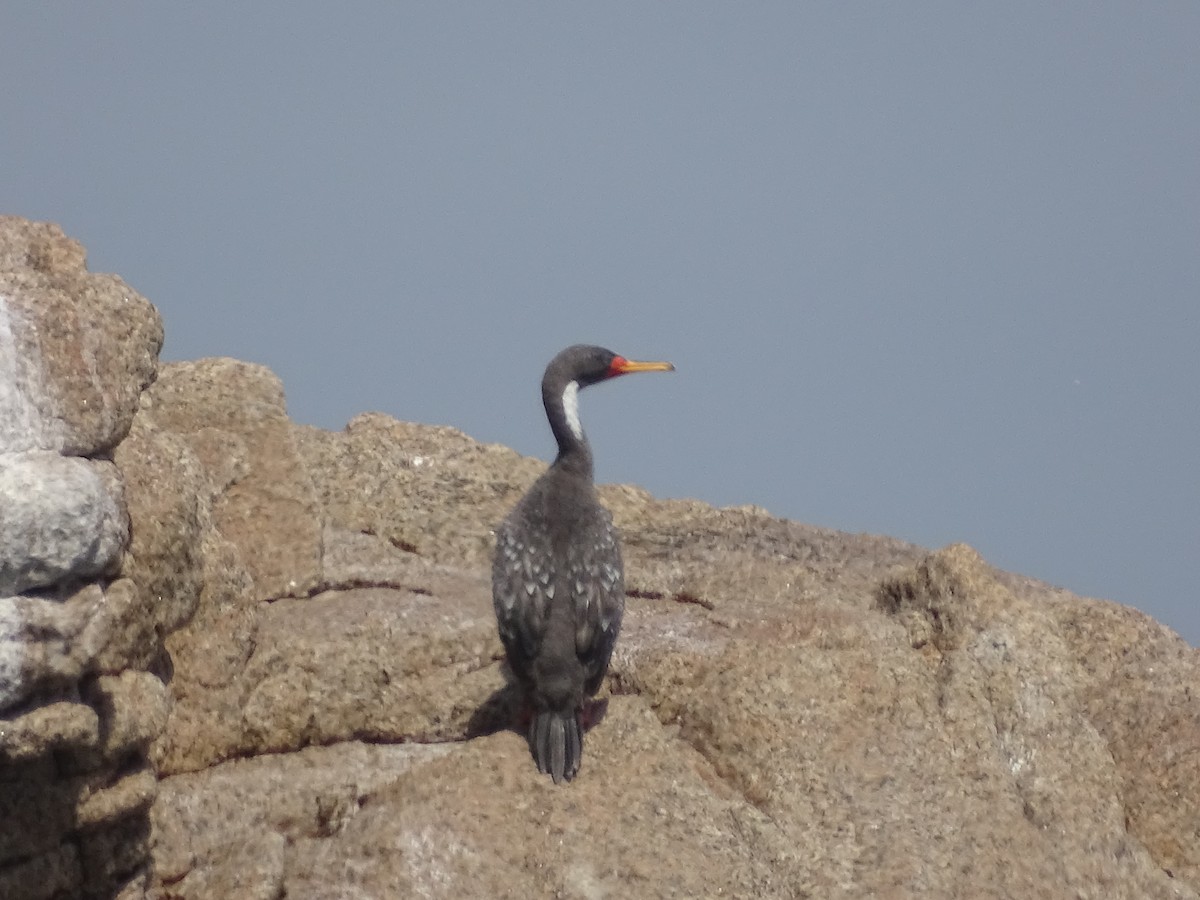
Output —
<point x="556" y="740"/>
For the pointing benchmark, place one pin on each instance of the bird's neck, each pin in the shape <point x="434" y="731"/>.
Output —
<point x="562" y="409"/>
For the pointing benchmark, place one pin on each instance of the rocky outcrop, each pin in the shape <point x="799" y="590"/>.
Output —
<point x="794" y="711"/>
<point x="791" y="712"/>
<point x="80" y="700"/>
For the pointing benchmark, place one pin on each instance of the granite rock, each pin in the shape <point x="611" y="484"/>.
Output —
<point x="792" y="711"/>
<point x="79" y="703"/>
<point x="283" y="678"/>
<point x="76" y="348"/>
<point x="63" y="517"/>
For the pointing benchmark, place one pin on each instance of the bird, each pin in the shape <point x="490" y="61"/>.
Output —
<point x="558" y="583"/>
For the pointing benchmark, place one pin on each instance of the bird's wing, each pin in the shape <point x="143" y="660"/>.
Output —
<point x="598" y="591"/>
<point x="521" y="594"/>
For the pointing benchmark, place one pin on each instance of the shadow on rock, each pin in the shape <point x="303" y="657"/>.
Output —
<point x="499" y="712"/>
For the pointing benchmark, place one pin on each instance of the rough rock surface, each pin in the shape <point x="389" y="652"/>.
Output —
<point x="76" y="348"/>
<point x="792" y="711"/>
<point x="79" y="702"/>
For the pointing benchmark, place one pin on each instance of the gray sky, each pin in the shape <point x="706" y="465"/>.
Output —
<point x="927" y="270"/>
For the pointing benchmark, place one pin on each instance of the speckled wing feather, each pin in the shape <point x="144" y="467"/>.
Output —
<point x="597" y="582"/>
<point x="521" y="594"/>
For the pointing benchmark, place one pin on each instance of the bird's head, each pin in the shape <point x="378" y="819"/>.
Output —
<point x="586" y="365"/>
<point x="579" y="366"/>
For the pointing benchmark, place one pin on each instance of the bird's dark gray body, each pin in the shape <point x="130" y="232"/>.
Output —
<point x="558" y="587"/>
<point x="557" y="578"/>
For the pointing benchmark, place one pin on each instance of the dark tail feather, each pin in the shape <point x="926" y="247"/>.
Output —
<point x="557" y="743"/>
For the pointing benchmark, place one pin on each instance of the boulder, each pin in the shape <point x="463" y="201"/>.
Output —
<point x="241" y="657"/>
<point x="76" y="348"/>
<point x="80" y="702"/>
<point x="792" y="711"/>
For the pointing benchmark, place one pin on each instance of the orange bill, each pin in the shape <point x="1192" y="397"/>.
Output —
<point x="622" y="366"/>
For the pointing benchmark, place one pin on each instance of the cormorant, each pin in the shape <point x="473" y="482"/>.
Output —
<point x="558" y="585"/>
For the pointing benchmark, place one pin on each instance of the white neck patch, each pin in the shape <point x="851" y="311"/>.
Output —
<point x="570" y="400"/>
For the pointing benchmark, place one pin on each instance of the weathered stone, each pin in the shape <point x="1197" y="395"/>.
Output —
<point x="133" y="708"/>
<point x="114" y="857"/>
<point x="76" y="351"/>
<point x="413" y="820"/>
<point x="875" y="720"/>
<point x="48" y="876"/>
<point x="791" y="712"/>
<point x="62" y="518"/>
<point x="430" y="491"/>
<point x="199" y="818"/>
<point x="351" y="559"/>
<point x="49" y="642"/>
<point x="133" y="638"/>
<point x="37" y="810"/>
<point x="209" y="656"/>
<point x="112" y="802"/>
<point x="40" y="247"/>
<point x="232" y="415"/>
<point x="164" y="561"/>
<point x="29" y="419"/>
<point x="45" y="729"/>
<point x="82" y="346"/>
<point x="1140" y="685"/>
<point x="249" y="866"/>
<point x="375" y="663"/>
